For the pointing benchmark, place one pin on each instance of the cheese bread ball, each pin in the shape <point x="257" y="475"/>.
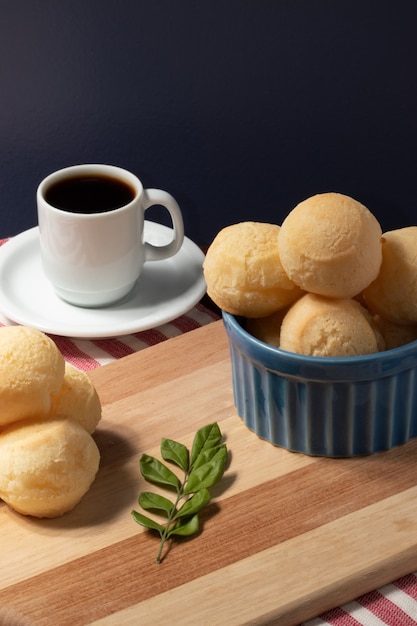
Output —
<point x="267" y="329"/>
<point x="393" y="294"/>
<point x="46" y="466"/>
<point x="330" y="245"/>
<point x="77" y="399"/>
<point x="320" y="326"/>
<point x="395" y="335"/>
<point x="243" y="271"/>
<point x="31" y="371"/>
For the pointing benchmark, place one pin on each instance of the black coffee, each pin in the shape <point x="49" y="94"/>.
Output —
<point x="89" y="194"/>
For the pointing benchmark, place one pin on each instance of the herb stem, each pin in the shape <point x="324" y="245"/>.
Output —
<point x="202" y="467"/>
<point x="164" y="535"/>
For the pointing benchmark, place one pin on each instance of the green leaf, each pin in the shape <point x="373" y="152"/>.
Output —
<point x="176" y="453"/>
<point x="147" y="522"/>
<point x="154" y="502"/>
<point x="194" y="504"/>
<point x="205" y="456"/>
<point x="206" y="437"/>
<point x="185" y="528"/>
<point x="203" y="467"/>
<point x="207" y="475"/>
<point x="156" y="472"/>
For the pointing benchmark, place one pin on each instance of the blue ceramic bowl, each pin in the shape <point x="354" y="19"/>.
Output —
<point x="336" y="407"/>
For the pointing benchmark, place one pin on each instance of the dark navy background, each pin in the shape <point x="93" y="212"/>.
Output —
<point x="239" y="108"/>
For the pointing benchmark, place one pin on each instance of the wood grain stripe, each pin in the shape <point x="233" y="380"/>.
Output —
<point x="287" y="536"/>
<point x="125" y="573"/>
<point x="294" y="580"/>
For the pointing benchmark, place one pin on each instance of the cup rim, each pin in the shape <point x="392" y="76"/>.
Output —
<point x="93" y="169"/>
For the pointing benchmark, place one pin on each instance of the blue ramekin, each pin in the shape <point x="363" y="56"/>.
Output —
<point x="324" y="406"/>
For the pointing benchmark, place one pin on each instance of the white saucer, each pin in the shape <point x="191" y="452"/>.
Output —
<point x="165" y="290"/>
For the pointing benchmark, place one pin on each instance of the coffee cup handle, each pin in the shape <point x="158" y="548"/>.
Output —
<point x="157" y="196"/>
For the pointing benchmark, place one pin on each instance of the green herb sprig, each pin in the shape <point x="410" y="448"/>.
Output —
<point x="202" y="468"/>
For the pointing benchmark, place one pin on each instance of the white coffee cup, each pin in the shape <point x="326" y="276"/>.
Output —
<point x="94" y="259"/>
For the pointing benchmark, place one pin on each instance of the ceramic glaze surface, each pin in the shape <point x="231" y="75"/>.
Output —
<point x="94" y="259"/>
<point x="324" y="406"/>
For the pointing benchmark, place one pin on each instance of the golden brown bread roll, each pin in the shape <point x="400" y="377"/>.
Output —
<point x="330" y="244"/>
<point x="31" y="371"/>
<point x="267" y="329"/>
<point x="393" y="293"/>
<point x="46" y="466"/>
<point x="77" y="399"/>
<point x="395" y="335"/>
<point x="320" y="326"/>
<point x="243" y="271"/>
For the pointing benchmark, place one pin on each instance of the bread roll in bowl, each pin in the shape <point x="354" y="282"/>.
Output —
<point x="267" y="329"/>
<point x="330" y="245"/>
<point x="320" y="326"/>
<point x="243" y="271"/>
<point x="395" y="335"/>
<point x="393" y="293"/>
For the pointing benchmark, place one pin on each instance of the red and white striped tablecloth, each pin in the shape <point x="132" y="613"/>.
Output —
<point x="394" y="604"/>
<point x="87" y="354"/>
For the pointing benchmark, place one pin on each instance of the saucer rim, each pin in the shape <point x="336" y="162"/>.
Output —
<point x="13" y="312"/>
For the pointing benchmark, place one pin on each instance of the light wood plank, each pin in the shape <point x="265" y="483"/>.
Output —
<point x="286" y="537"/>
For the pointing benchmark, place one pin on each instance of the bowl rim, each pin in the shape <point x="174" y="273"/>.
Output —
<point x="364" y="367"/>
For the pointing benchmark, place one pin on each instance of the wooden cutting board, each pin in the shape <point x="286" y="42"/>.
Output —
<point x="285" y="537"/>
